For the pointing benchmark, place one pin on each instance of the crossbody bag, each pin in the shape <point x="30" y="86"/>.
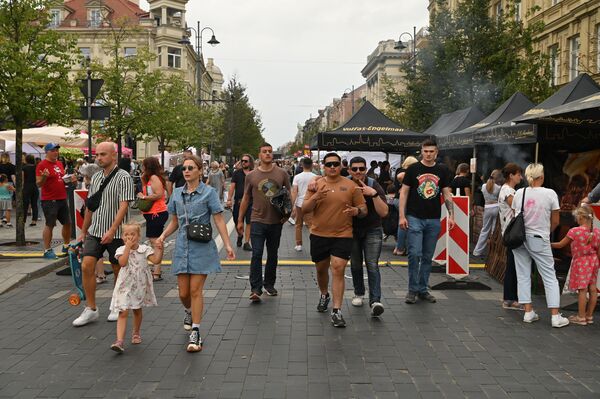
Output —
<point x="514" y="234"/>
<point x="93" y="202"/>
<point x="199" y="232"/>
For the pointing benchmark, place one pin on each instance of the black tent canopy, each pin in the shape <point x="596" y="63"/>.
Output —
<point x="447" y="126"/>
<point x="582" y="112"/>
<point x="369" y="130"/>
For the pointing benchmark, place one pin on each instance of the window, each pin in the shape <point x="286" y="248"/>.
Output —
<point x="518" y="11"/>
<point x="573" y="57"/>
<point x="85" y="54"/>
<point x="130" y="51"/>
<point x="555" y="2"/>
<point x="159" y="56"/>
<point x="95" y="18"/>
<point x="554" y="65"/>
<point x="174" y="57"/>
<point x="498" y="9"/>
<point x="54" y="18"/>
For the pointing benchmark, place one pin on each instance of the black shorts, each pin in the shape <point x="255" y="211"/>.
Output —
<point x="92" y="247"/>
<point x="322" y="248"/>
<point x="56" y="210"/>
<point x="236" y="211"/>
<point x="155" y="224"/>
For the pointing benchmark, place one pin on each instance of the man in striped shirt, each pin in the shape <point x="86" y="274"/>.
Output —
<point x="101" y="229"/>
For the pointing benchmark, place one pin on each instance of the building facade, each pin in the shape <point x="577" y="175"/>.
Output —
<point x="160" y="30"/>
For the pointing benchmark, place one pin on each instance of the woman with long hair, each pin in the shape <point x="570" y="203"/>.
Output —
<point x="30" y="189"/>
<point x="154" y="189"/>
<point x="193" y="261"/>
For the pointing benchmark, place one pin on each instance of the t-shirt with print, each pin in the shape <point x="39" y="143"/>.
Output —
<point x="426" y="184"/>
<point x="54" y="187"/>
<point x="260" y="187"/>
<point x="372" y="220"/>
<point x="301" y="181"/>
<point x="329" y="220"/>
<point x="506" y="212"/>
<point x="539" y="204"/>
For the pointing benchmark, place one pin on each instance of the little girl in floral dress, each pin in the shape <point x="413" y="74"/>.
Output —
<point x="585" y="252"/>
<point x="133" y="289"/>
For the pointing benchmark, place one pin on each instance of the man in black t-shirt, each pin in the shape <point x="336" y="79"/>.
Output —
<point x="420" y="211"/>
<point x="236" y="192"/>
<point x="176" y="177"/>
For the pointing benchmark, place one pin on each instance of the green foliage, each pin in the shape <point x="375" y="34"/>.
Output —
<point x="71" y="154"/>
<point x="34" y="84"/>
<point x="470" y="58"/>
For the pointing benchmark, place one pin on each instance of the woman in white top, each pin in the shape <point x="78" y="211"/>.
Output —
<point x="541" y="215"/>
<point x="512" y="177"/>
<point x="490" y="190"/>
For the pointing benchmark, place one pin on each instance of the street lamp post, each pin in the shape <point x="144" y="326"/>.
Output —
<point x="401" y="46"/>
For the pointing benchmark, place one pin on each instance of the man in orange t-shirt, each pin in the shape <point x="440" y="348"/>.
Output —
<point x="334" y="200"/>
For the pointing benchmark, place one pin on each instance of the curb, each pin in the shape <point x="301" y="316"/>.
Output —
<point x="21" y="278"/>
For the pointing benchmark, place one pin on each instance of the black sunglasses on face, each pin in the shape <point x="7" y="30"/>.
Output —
<point x="358" y="168"/>
<point x="190" y="168"/>
<point x="245" y="160"/>
<point x="332" y="164"/>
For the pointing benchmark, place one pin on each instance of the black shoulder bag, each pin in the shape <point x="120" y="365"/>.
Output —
<point x="514" y="234"/>
<point x="93" y="202"/>
<point x="199" y="232"/>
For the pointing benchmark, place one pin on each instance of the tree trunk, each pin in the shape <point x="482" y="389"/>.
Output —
<point x="20" y="212"/>
<point x="119" y="147"/>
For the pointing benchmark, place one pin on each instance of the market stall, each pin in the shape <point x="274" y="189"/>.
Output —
<point x="49" y="134"/>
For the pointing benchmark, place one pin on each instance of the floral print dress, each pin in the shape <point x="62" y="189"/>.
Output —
<point x="585" y="263"/>
<point x="134" y="288"/>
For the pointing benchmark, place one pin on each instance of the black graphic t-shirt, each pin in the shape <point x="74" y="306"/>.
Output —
<point x="426" y="184"/>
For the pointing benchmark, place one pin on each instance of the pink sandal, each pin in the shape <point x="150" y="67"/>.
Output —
<point x="136" y="339"/>
<point x="117" y="346"/>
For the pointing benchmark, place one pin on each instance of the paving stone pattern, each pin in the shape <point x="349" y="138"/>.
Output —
<point x="464" y="346"/>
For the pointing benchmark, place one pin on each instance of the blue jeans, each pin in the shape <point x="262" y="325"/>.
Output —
<point x="260" y="234"/>
<point x="401" y="239"/>
<point x="422" y="238"/>
<point x="370" y="247"/>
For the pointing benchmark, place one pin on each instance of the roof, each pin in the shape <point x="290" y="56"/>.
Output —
<point x="118" y="9"/>
<point x="455" y="121"/>
<point x="582" y="112"/>
<point x="369" y="119"/>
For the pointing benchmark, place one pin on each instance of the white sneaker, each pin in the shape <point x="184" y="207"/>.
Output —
<point x="113" y="316"/>
<point x="298" y="248"/>
<point x="357" y="300"/>
<point x="530" y="317"/>
<point x="87" y="316"/>
<point x="376" y="309"/>
<point x="559" y="321"/>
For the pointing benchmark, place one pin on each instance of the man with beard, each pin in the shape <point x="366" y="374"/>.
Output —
<point x="236" y="191"/>
<point x="334" y="201"/>
<point x="266" y="221"/>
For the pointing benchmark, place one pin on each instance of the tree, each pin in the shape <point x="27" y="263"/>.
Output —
<point x="470" y="59"/>
<point x="34" y="83"/>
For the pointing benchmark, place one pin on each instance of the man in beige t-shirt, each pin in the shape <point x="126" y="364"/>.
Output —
<point x="334" y="200"/>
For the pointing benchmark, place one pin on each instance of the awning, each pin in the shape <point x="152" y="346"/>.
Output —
<point x="446" y="127"/>
<point x="48" y="134"/>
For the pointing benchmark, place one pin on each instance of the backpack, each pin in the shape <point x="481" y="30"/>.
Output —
<point x="390" y="222"/>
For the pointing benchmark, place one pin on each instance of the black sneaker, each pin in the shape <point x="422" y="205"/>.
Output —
<point x="187" y="321"/>
<point x="410" y="298"/>
<point x="255" y="297"/>
<point x="376" y="309"/>
<point x="195" y="342"/>
<point x="239" y="241"/>
<point x="323" y="303"/>
<point x="337" y="319"/>
<point x="247" y="246"/>
<point x="426" y="296"/>
<point x="271" y="291"/>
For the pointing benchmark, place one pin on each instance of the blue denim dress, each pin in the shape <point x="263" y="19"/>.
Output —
<point x="192" y="257"/>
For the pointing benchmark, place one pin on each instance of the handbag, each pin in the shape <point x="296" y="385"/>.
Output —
<point x="199" y="232"/>
<point x="144" y="204"/>
<point x="514" y="234"/>
<point x="93" y="202"/>
<point x="281" y="201"/>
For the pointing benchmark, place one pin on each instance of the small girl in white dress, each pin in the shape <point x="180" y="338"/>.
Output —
<point x="133" y="289"/>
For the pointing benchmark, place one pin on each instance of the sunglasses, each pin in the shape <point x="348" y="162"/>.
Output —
<point x="245" y="160"/>
<point x="190" y="168"/>
<point x="358" y="168"/>
<point x="332" y="164"/>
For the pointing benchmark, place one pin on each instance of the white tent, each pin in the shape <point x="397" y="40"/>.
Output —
<point x="48" y="134"/>
<point x="28" y="148"/>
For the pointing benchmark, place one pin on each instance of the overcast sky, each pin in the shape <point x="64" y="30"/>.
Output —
<point x="295" y="56"/>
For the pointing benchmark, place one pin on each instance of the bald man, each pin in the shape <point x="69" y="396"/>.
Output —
<point x="101" y="229"/>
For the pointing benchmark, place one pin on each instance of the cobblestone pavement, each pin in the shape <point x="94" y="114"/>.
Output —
<point x="465" y="345"/>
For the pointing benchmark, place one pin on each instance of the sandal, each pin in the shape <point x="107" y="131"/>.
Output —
<point x="512" y="305"/>
<point x="589" y="320"/>
<point x="575" y="319"/>
<point x="100" y="279"/>
<point x="157" y="277"/>
<point x="136" y="339"/>
<point x="117" y="346"/>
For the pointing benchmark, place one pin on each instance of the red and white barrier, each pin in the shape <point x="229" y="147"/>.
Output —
<point x="79" y="208"/>
<point x="457" y="265"/>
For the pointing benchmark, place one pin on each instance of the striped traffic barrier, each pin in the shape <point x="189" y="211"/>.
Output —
<point x="457" y="265"/>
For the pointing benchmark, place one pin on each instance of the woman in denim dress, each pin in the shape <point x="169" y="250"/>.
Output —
<point x="193" y="260"/>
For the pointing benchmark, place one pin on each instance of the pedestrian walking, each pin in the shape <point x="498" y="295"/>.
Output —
<point x="30" y="190"/>
<point x="154" y="189"/>
<point x="7" y="167"/>
<point x="585" y="251"/>
<point x="334" y="201"/>
<point x="367" y="234"/>
<point x="111" y="190"/>
<point x="52" y="180"/>
<point x="6" y="192"/>
<point x="541" y="216"/>
<point x="191" y="207"/>
<point x="420" y="211"/>
<point x="216" y="179"/>
<point x="236" y="193"/>
<point x="261" y="185"/>
<point x="299" y="187"/>
<point x="176" y="177"/>
<point x="400" y="248"/>
<point x="133" y="289"/>
<point x="491" y="191"/>
<point x="512" y="177"/>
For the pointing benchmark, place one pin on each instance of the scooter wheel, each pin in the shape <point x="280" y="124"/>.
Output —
<point x="74" y="299"/>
